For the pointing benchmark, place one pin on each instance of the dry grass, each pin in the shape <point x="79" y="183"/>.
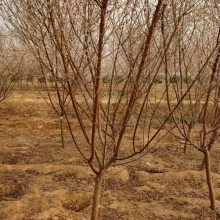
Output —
<point x="40" y="180"/>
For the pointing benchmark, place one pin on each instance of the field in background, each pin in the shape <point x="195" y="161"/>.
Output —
<point x="40" y="180"/>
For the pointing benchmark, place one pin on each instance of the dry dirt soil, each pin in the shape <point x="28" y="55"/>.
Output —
<point x="40" y="180"/>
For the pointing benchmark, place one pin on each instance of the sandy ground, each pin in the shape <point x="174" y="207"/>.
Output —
<point x="40" y="180"/>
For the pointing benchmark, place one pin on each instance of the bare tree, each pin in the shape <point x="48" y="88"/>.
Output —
<point x="45" y="53"/>
<point x="79" y="42"/>
<point x="195" y="121"/>
<point x="10" y="63"/>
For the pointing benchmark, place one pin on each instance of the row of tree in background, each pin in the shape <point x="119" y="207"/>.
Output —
<point x="160" y="79"/>
<point x="76" y="42"/>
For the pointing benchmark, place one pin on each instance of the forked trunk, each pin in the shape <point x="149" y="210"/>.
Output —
<point x="61" y="131"/>
<point x="211" y="142"/>
<point x="97" y="195"/>
<point x="209" y="179"/>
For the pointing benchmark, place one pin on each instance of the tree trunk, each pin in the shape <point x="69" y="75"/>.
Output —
<point x="202" y="166"/>
<point x="97" y="195"/>
<point x="209" y="179"/>
<point x="186" y="142"/>
<point x="61" y="131"/>
<point x="185" y="145"/>
<point x="210" y="144"/>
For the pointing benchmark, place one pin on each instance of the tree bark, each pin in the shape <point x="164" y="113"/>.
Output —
<point x="61" y="131"/>
<point x="209" y="147"/>
<point x="186" y="141"/>
<point x="209" y="179"/>
<point x="97" y="195"/>
<point x="185" y="146"/>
